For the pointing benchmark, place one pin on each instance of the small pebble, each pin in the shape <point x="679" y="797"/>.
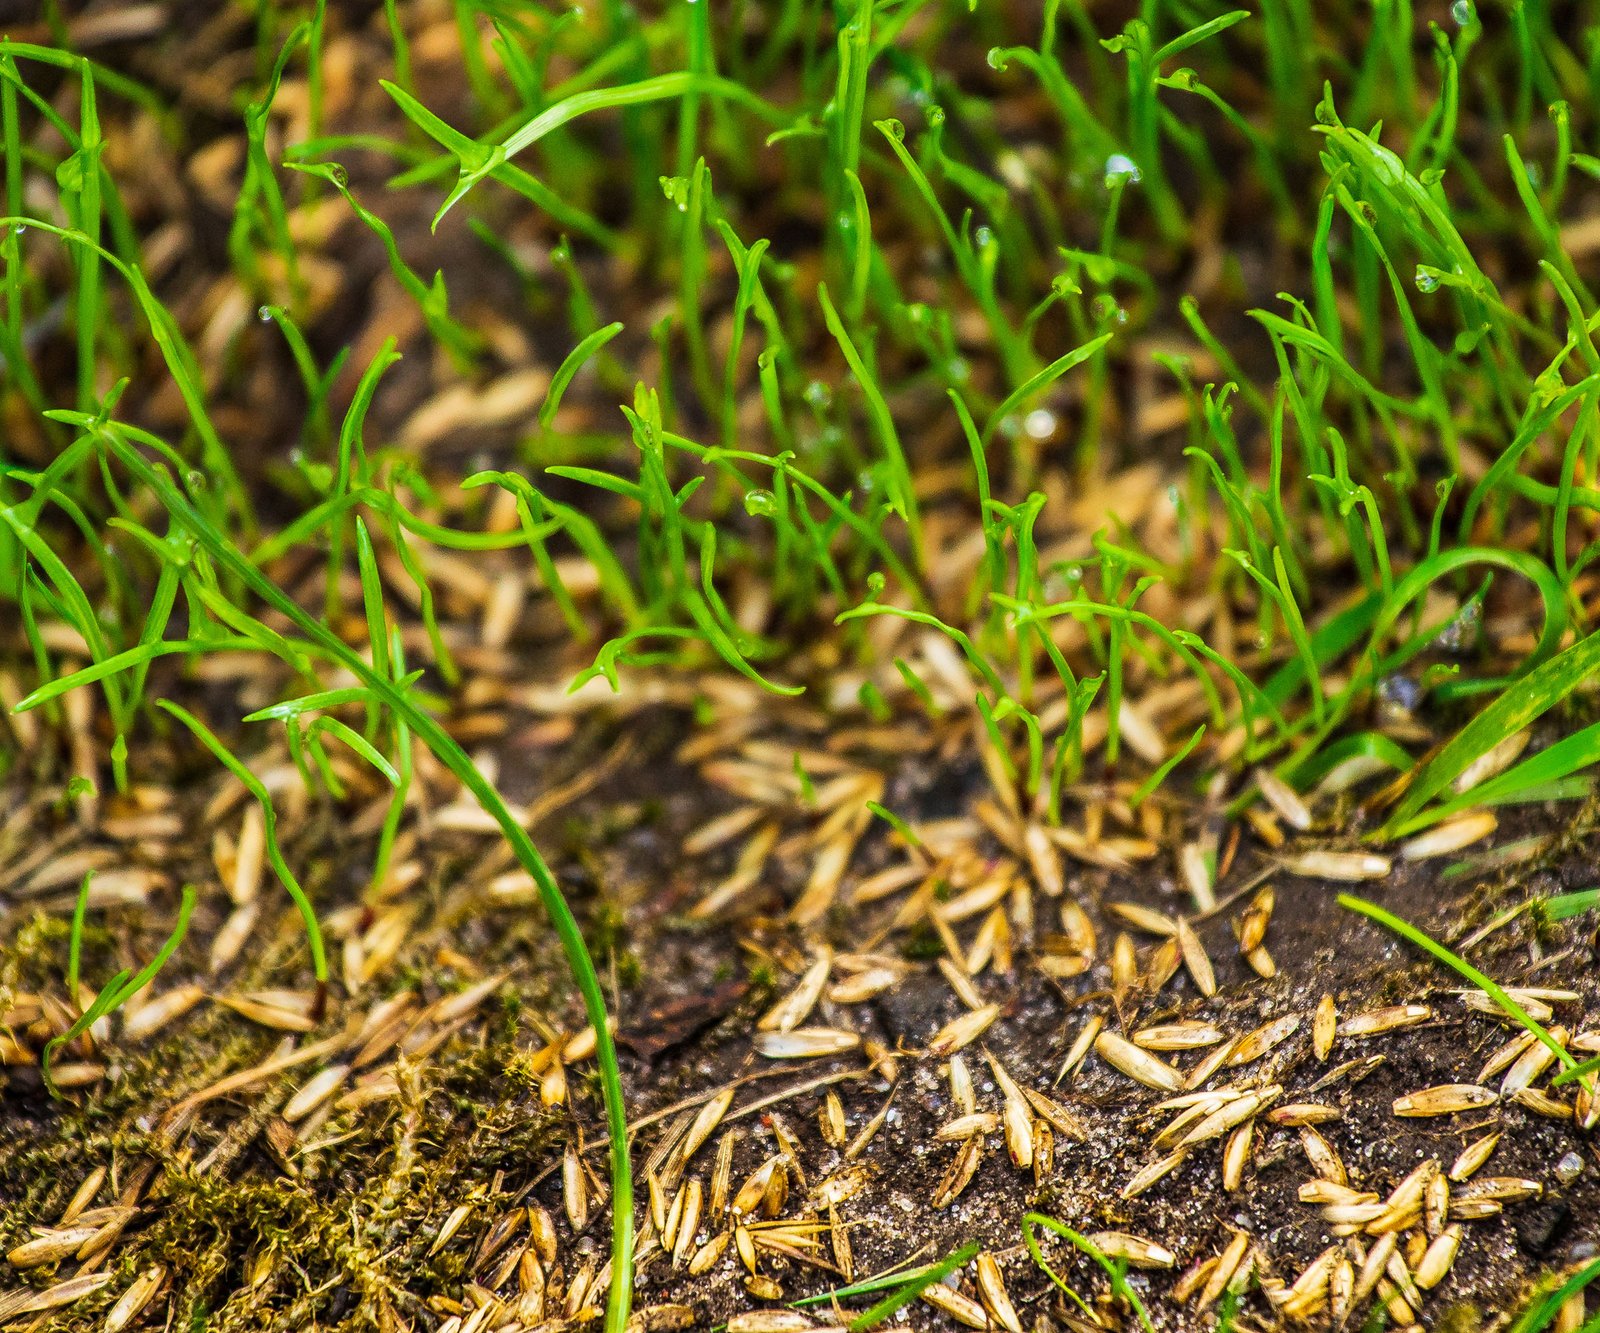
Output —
<point x="1569" y="1168"/>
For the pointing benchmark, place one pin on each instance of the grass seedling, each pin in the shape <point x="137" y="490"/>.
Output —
<point x="1117" y="1273"/>
<point x="1490" y="987"/>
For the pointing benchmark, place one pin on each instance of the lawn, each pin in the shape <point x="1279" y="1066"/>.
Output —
<point x="818" y="664"/>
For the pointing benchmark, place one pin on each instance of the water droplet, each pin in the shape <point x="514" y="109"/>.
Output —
<point x="1427" y="278"/>
<point x="758" y="502"/>
<point x="866" y="482"/>
<point x="338" y="175"/>
<point x="819" y="395"/>
<point x="1462" y="13"/>
<point x="935" y="116"/>
<point x="1121" y="168"/>
<point x="983" y="238"/>
<point x="1106" y="310"/>
<point x="894" y="129"/>
<point x="195" y="480"/>
<point x="264" y="314"/>
<point x="1569" y="1168"/>
<point x="958" y="369"/>
<point x="997" y="57"/>
<point x="1040" y="424"/>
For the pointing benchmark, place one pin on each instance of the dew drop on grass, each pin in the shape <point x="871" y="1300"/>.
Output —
<point x="1462" y="13"/>
<point x="264" y="314"/>
<point x="819" y="395"/>
<point x="1121" y="168"/>
<point x="958" y="369"/>
<point x="997" y="57"/>
<point x="760" y="502"/>
<point x="1040" y="424"/>
<point x="1427" y="279"/>
<point x="983" y="238"/>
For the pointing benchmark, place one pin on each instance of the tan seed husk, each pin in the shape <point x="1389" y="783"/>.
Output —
<point x="959" y="1174"/>
<point x="1139" y="1065"/>
<point x="315" y="1091"/>
<point x="1450" y="836"/>
<point x="1143" y="918"/>
<point x="1507" y="1189"/>
<point x="1373" y="1266"/>
<point x="1324" y="1160"/>
<point x="705" y="1123"/>
<point x="1531" y="1064"/>
<point x="61" y="1294"/>
<point x="1228" y="1264"/>
<point x="1475" y="1210"/>
<point x="992" y="1291"/>
<point x="1253" y="1045"/>
<point x="1081" y="1045"/>
<point x="1389" y="1019"/>
<point x="963" y="1127"/>
<point x="1135" y="1251"/>
<point x="1473" y="1156"/>
<point x="1346" y="867"/>
<point x="831" y="1121"/>
<point x="963" y="1309"/>
<point x="1439" y="1257"/>
<point x="1303" y="1113"/>
<point x="806" y="1043"/>
<point x="962" y="1031"/>
<point x="962" y="1092"/>
<point x="1253" y="922"/>
<point x="1505" y="1055"/>
<point x="141" y="1291"/>
<point x="1062" y="1120"/>
<point x="574" y="1188"/>
<point x="1236" y="1155"/>
<point x="1542" y="1104"/>
<point x="1324" y="1025"/>
<point x="1195" y="959"/>
<point x="1445" y="1099"/>
<point x="1283" y="799"/>
<point x="771" y="1321"/>
<point x="1436" y="1204"/>
<point x="1195" y="868"/>
<point x="1185" y="1036"/>
<point x="869" y="1131"/>
<point x="1148" y="1175"/>
<point x="706" y="1257"/>
<point x="49" y="1244"/>
<point x="1016" y="1116"/>
<point x="1228" y="1115"/>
